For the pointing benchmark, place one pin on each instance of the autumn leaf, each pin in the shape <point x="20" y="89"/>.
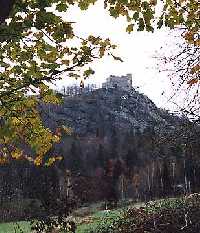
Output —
<point x="16" y="154"/>
<point x="52" y="160"/>
<point x="192" y="81"/>
<point x="195" y="69"/>
<point x="67" y="130"/>
<point x="38" y="161"/>
<point x="129" y="28"/>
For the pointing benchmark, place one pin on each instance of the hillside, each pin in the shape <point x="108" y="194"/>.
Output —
<point x="122" y="146"/>
<point x="113" y="127"/>
<point x="105" y="109"/>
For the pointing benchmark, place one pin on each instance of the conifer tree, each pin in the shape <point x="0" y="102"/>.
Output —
<point x="167" y="182"/>
<point x="114" y="144"/>
<point x="101" y="157"/>
<point x="75" y="159"/>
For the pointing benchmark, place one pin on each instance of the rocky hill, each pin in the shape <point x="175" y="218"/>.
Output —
<point x="123" y="130"/>
<point x="98" y="112"/>
<point x="109" y="117"/>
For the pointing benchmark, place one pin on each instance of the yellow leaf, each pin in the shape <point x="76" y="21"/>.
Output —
<point x="3" y="160"/>
<point x="195" y="69"/>
<point x="16" y="154"/>
<point x="67" y="130"/>
<point x="50" y="162"/>
<point x="38" y="161"/>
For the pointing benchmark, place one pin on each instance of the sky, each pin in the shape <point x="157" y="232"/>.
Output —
<point x="138" y="50"/>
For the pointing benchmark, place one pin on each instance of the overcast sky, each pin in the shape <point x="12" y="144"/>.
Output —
<point x="137" y="49"/>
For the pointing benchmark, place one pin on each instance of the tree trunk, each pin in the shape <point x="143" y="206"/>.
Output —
<point x="5" y="9"/>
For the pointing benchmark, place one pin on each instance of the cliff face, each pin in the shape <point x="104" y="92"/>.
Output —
<point x="109" y="117"/>
<point x="98" y="112"/>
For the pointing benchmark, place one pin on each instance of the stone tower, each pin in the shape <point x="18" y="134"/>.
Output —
<point x="122" y="82"/>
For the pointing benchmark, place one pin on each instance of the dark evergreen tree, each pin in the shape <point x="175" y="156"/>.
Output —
<point x="111" y="190"/>
<point x="167" y="182"/>
<point x="75" y="163"/>
<point x="118" y="169"/>
<point x="149" y="139"/>
<point x="138" y="138"/>
<point x="129" y="139"/>
<point x="114" y="144"/>
<point x="109" y="167"/>
<point x="177" y="151"/>
<point x="101" y="157"/>
<point x="132" y="158"/>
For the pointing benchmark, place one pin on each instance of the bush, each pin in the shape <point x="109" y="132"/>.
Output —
<point x="165" y="216"/>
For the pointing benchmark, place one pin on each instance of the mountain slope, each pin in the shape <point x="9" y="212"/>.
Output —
<point x="105" y="109"/>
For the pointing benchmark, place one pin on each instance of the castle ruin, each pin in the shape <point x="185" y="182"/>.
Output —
<point x="122" y="82"/>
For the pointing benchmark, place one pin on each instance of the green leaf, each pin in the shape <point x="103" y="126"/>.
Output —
<point x="136" y="15"/>
<point x="113" y="12"/>
<point x="62" y="7"/>
<point x="141" y="25"/>
<point x="129" y="28"/>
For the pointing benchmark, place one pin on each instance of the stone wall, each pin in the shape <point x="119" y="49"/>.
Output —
<point x="122" y="82"/>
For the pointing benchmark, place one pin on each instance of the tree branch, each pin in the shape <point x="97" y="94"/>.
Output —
<point x="39" y="81"/>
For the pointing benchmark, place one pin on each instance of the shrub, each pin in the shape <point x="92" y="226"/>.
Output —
<point x="165" y="216"/>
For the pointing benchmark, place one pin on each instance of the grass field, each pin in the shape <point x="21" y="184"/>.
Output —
<point x="85" y="223"/>
<point x="13" y="227"/>
<point x="86" y="218"/>
<point x="91" y="222"/>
